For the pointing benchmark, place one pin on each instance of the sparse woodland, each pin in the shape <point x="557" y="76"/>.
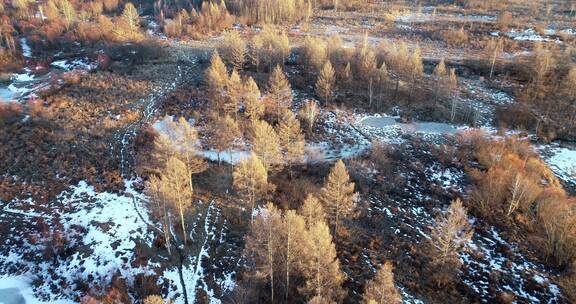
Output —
<point x="232" y="121"/>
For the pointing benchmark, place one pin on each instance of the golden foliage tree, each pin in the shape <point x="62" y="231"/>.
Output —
<point x="266" y="144"/>
<point x="270" y="47"/>
<point x="176" y="176"/>
<point x="222" y="133"/>
<point x="291" y="138"/>
<point x="233" y="50"/>
<point x="338" y="195"/>
<point x="448" y="237"/>
<point x="216" y="79"/>
<point x="178" y="139"/>
<point x="251" y="180"/>
<point x="322" y="269"/>
<point x="280" y="91"/>
<point x="253" y="105"/>
<point x="312" y="210"/>
<point x="381" y="289"/>
<point x="325" y="83"/>
<point x="262" y="243"/>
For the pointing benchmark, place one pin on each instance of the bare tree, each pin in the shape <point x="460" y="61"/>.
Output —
<point x="309" y="112"/>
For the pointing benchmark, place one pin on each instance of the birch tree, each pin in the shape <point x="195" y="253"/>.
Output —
<point x="308" y="113"/>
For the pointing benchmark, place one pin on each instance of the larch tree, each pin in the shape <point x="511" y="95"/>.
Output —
<point x="251" y="181"/>
<point x="154" y="299"/>
<point x="382" y="77"/>
<point x="314" y="54"/>
<point x="321" y="269"/>
<point x="253" y="105"/>
<point x="68" y="13"/>
<point x="381" y="289"/>
<point x="293" y="250"/>
<point x="291" y="139"/>
<point x="309" y="113"/>
<point x="452" y="83"/>
<point x="157" y="189"/>
<point x="416" y="67"/>
<point x="131" y="18"/>
<point x="234" y="94"/>
<point x="266" y="144"/>
<point x="338" y="195"/>
<point x="217" y="79"/>
<point x="233" y="50"/>
<point x="176" y="176"/>
<point x="312" y="210"/>
<point x="320" y="300"/>
<point x="223" y="132"/>
<point x="279" y="90"/>
<point x="179" y="139"/>
<point x="448" y="237"/>
<point x="326" y="82"/>
<point x="440" y="76"/>
<point x="262" y="243"/>
<point x="368" y="68"/>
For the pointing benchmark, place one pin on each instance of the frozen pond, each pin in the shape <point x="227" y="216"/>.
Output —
<point x="414" y="127"/>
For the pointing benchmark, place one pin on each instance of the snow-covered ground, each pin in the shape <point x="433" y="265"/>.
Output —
<point x="562" y="161"/>
<point x="100" y="231"/>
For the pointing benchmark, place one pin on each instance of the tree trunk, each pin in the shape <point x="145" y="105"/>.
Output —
<point x="270" y="259"/>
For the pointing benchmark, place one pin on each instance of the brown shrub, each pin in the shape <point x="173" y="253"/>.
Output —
<point x="455" y="37"/>
<point x="504" y="20"/>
